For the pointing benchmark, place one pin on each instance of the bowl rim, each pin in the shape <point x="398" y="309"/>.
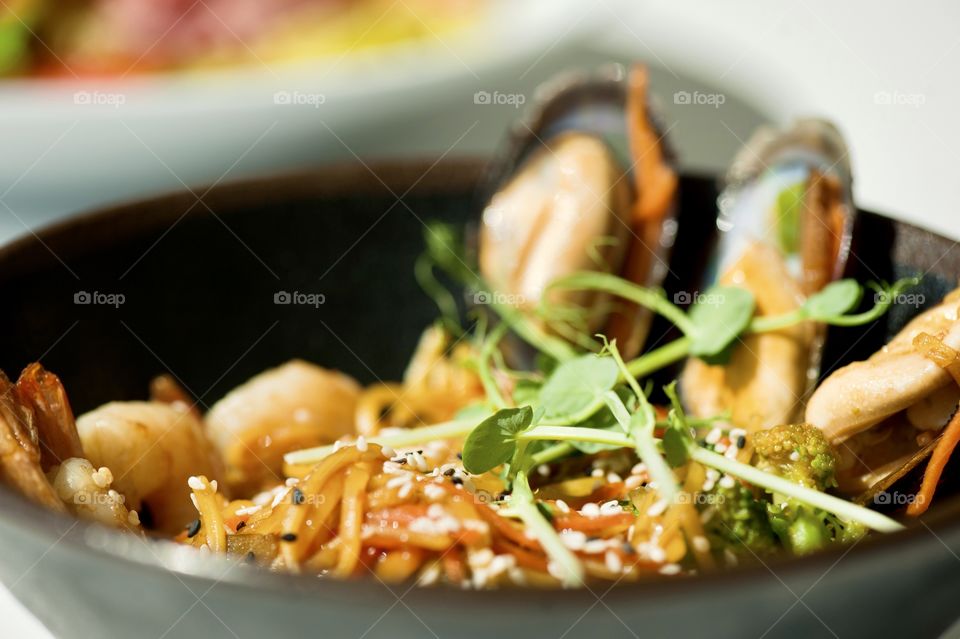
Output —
<point x="446" y="175"/>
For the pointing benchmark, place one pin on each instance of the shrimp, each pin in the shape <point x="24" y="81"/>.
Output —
<point x="20" y="450"/>
<point x="296" y="405"/>
<point x="87" y="493"/>
<point x="860" y="395"/>
<point x="152" y="449"/>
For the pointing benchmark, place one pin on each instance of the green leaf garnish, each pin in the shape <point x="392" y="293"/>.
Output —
<point x="718" y="318"/>
<point x="492" y="442"/>
<point x="836" y="298"/>
<point x="575" y="390"/>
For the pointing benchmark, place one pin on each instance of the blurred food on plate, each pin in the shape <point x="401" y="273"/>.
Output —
<point x="116" y="37"/>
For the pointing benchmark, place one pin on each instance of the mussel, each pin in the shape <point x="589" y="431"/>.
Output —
<point x="784" y="228"/>
<point x="586" y="182"/>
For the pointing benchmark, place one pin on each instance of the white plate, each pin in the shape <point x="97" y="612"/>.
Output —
<point x="70" y="144"/>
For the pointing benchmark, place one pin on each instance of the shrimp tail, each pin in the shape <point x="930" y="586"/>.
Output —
<point x="20" y="449"/>
<point x="42" y="394"/>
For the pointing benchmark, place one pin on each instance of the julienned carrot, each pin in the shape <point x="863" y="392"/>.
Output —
<point x="938" y="461"/>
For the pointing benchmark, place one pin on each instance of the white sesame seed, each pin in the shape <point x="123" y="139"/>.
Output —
<point x="657" y="508"/>
<point x="133" y="518"/>
<point x="727" y="482"/>
<point x="701" y="543"/>
<point x="794" y="456"/>
<point x="102" y="477"/>
<point x="611" y="507"/>
<point x="613" y="478"/>
<point x="590" y="509"/>
<point x="249" y="510"/>
<point x="657" y="554"/>
<point x="670" y="569"/>
<point x="195" y="483"/>
<point x="388" y="451"/>
<point x="714" y="436"/>
<point x="562" y="506"/>
<point x="434" y="492"/>
<point x="596" y="472"/>
<point x="594" y="546"/>
<point x="362" y="444"/>
<point x="419" y="462"/>
<point x="405" y="490"/>
<point x="720" y="448"/>
<point x="543" y="470"/>
<point x="399" y="480"/>
<point x="291" y="482"/>
<point x="573" y="539"/>
<point x="613" y="562"/>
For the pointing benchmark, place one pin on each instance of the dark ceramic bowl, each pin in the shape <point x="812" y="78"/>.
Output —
<point x="199" y="281"/>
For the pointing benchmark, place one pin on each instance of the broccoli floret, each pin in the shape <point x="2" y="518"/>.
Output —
<point x="801" y="453"/>
<point x="738" y="521"/>
<point x="798" y="452"/>
<point x="804" y="529"/>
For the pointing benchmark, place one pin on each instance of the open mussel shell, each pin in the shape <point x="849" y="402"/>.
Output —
<point x="585" y="181"/>
<point x="784" y="229"/>
<point x="895" y="491"/>
<point x="792" y="190"/>
<point x="588" y="101"/>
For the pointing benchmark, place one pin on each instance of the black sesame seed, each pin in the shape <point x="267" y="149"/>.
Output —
<point x="420" y="452"/>
<point x="289" y="536"/>
<point x="741" y="441"/>
<point x="297" y="497"/>
<point x="402" y="461"/>
<point x="251" y="557"/>
<point x="457" y="481"/>
<point x="241" y="525"/>
<point x="628" y="548"/>
<point x="449" y="472"/>
<point x="460" y="456"/>
<point x="193" y="528"/>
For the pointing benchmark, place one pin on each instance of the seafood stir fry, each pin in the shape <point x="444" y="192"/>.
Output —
<point x="535" y="448"/>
